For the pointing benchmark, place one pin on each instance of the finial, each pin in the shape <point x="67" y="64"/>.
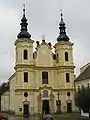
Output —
<point x="23" y="9"/>
<point x="24" y="31"/>
<point x="62" y="27"/>
<point x="49" y="44"/>
<point x="37" y="43"/>
<point x="43" y="37"/>
<point x="61" y="14"/>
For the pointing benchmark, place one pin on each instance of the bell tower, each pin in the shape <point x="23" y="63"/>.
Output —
<point x="63" y="49"/>
<point x="65" y="65"/>
<point x="24" y="56"/>
<point x="24" y="44"/>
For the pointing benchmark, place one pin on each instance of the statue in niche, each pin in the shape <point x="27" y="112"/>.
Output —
<point x="45" y="94"/>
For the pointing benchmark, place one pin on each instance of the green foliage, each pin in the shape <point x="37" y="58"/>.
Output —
<point x="82" y="99"/>
<point x="4" y="87"/>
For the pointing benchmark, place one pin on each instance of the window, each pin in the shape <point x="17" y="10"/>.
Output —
<point x="57" y="58"/>
<point x="25" y="76"/>
<point x="66" y="56"/>
<point x="20" y="109"/>
<point x="25" y="54"/>
<point x="67" y="77"/>
<point x="44" y="77"/>
<point x="68" y="94"/>
<point x="25" y="94"/>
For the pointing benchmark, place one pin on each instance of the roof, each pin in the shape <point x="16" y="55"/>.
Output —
<point x="84" y="75"/>
<point x="12" y="76"/>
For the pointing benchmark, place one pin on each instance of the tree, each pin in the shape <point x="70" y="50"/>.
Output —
<point x="82" y="99"/>
<point x="3" y="88"/>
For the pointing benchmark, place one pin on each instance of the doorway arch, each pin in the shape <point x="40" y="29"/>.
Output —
<point x="26" y="111"/>
<point x="69" y="106"/>
<point x="45" y="106"/>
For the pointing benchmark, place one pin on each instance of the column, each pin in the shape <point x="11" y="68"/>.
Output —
<point x="40" y="104"/>
<point x="51" y="103"/>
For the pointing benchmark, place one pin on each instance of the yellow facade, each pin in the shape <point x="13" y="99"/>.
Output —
<point x="50" y="85"/>
<point x="43" y="61"/>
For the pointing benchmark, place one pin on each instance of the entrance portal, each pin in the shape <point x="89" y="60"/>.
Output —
<point x="26" y="110"/>
<point x="69" y="107"/>
<point x="45" y="106"/>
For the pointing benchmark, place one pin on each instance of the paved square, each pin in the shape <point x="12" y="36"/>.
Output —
<point x="72" y="116"/>
<point x="65" y="116"/>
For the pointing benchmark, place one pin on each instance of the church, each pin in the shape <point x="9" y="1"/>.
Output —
<point x="43" y="80"/>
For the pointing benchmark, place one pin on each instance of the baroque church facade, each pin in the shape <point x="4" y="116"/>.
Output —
<point x="43" y="80"/>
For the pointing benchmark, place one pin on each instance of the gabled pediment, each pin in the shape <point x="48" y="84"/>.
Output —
<point x="45" y="87"/>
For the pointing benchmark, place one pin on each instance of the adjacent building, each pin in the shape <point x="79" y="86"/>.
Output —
<point x="83" y="80"/>
<point x="43" y="80"/>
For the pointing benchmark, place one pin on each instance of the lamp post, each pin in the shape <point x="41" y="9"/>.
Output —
<point x="58" y="103"/>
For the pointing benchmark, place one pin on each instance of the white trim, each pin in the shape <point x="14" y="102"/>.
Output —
<point x="47" y="98"/>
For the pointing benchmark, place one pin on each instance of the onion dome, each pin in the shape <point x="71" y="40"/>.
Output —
<point x="23" y="33"/>
<point x="62" y="36"/>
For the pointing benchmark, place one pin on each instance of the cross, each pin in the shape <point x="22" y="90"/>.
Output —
<point x="61" y="10"/>
<point x="43" y="37"/>
<point x="61" y="14"/>
<point x="23" y="9"/>
<point x="24" y="6"/>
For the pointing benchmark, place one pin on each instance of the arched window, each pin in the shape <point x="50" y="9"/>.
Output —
<point x="25" y="54"/>
<point x="66" y="56"/>
<point x="44" y="77"/>
<point x="68" y="94"/>
<point x="57" y="58"/>
<point x="25" y="76"/>
<point x="67" y="77"/>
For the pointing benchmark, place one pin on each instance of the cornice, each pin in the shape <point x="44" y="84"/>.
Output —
<point x="42" y="68"/>
<point x="24" y="66"/>
<point x="54" y="68"/>
<point x="23" y="40"/>
<point x="63" y="43"/>
<point x="45" y="87"/>
<point x="48" y="88"/>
